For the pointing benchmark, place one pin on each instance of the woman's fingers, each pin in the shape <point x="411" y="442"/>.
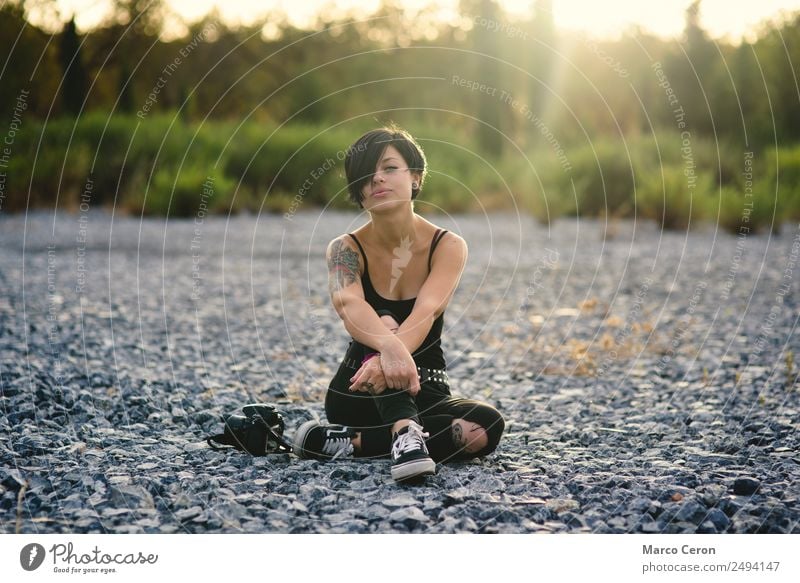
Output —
<point x="358" y="373"/>
<point x="361" y="385"/>
<point x="356" y="378"/>
<point x="377" y="388"/>
<point x="414" y="388"/>
<point x="394" y="380"/>
<point x="368" y="379"/>
<point x="386" y="368"/>
<point x="372" y="384"/>
<point x="401" y="377"/>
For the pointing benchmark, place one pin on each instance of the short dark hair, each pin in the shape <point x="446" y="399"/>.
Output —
<point x="362" y="158"/>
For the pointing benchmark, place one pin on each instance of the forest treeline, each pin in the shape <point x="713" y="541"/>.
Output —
<point x="511" y="112"/>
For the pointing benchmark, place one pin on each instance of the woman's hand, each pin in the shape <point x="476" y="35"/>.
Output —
<point x="399" y="368"/>
<point x="369" y="378"/>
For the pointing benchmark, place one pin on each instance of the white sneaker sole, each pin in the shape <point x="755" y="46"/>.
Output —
<point x="413" y="469"/>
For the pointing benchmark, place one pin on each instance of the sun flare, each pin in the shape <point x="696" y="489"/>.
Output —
<point x="732" y="18"/>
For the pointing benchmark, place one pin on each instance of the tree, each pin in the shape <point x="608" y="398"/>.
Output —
<point x="694" y="76"/>
<point x="540" y="55"/>
<point x="73" y="87"/>
<point x="124" y="89"/>
<point x="488" y="72"/>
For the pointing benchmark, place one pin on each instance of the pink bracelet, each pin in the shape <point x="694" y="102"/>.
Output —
<point x="370" y="355"/>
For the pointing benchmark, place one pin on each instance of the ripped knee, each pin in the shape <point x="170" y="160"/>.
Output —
<point x="469" y="437"/>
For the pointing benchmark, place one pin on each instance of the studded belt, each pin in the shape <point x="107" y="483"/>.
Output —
<point x="433" y="374"/>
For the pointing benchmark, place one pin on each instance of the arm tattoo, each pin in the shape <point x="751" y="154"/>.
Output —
<point x="342" y="267"/>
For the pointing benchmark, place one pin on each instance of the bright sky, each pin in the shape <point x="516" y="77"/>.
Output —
<point x="601" y="18"/>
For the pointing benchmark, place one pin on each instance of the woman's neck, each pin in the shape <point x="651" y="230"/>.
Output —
<point x="390" y="230"/>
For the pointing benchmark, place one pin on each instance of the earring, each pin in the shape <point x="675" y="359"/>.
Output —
<point x="414" y="185"/>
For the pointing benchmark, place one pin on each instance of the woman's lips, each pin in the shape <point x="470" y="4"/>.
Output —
<point x="380" y="192"/>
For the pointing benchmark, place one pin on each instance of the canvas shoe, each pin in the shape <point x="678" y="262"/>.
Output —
<point x="410" y="458"/>
<point x="323" y="442"/>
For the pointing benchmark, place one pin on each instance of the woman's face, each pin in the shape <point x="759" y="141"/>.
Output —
<point x="390" y="186"/>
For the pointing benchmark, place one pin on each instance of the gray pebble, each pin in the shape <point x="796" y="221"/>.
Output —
<point x="746" y="486"/>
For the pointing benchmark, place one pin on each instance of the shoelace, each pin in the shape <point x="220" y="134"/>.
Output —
<point x="411" y="440"/>
<point x="337" y="447"/>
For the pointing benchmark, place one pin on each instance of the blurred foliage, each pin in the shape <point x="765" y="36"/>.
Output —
<point x="511" y="113"/>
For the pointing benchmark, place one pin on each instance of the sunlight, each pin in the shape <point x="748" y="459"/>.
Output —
<point x="610" y="18"/>
<point x="732" y="18"/>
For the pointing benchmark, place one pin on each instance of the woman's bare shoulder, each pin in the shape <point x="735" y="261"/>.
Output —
<point x="430" y="228"/>
<point x="343" y="246"/>
<point x="451" y="237"/>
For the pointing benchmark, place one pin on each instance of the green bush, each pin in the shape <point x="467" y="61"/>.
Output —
<point x="723" y="161"/>
<point x="108" y="140"/>
<point x="753" y="211"/>
<point x="159" y="165"/>
<point x="550" y="200"/>
<point x="194" y="191"/>
<point x="274" y="164"/>
<point x="782" y="170"/>
<point x="766" y="192"/>
<point x="666" y="198"/>
<point x="55" y="169"/>
<point x="604" y="178"/>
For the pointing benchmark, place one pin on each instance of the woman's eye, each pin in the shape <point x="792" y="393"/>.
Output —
<point x="391" y="168"/>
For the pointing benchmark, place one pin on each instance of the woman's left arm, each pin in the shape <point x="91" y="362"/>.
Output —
<point x="447" y="265"/>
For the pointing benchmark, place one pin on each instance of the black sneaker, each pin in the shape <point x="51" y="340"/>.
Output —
<point x="410" y="457"/>
<point x="323" y="442"/>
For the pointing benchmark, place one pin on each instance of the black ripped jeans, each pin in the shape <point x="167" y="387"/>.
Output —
<point x="434" y="408"/>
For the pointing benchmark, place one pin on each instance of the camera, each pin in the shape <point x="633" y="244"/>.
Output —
<point x="258" y="432"/>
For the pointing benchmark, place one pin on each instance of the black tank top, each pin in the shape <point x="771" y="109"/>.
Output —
<point x="428" y="355"/>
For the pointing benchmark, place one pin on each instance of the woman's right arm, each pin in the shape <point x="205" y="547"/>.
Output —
<point x="361" y="320"/>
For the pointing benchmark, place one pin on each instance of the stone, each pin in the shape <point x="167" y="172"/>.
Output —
<point x="746" y="486"/>
<point x="400" y="501"/>
<point x="707" y="527"/>
<point x="691" y="511"/>
<point x="410" y="517"/>
<point x="719" y="519"/>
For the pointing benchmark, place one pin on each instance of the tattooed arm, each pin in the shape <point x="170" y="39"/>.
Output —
<point x="347" y="295"/>
<point x="360" y="319"/>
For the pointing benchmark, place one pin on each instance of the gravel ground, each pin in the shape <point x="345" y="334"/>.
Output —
<point x="648" y="379"/>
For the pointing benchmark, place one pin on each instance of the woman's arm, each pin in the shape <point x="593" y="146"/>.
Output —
<point x="447" y="265"/>
<point x="369" y="378"/>
<point x="347" y="295"/>
<point x="361" y="320"/>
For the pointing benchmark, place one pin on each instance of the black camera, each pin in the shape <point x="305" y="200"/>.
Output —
<point x="259" y="431"/>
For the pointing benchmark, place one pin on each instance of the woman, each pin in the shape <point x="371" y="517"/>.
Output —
<point x="390" y="282"/>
